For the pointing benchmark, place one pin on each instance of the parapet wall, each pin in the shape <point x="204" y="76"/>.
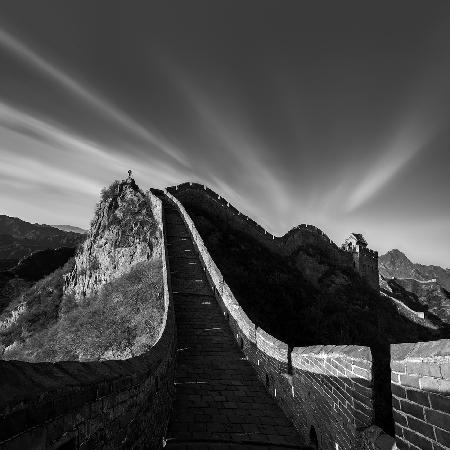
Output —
<point x="421" y="394"/>
<point x="326" y="391"/>
<point x="110" y="404"/>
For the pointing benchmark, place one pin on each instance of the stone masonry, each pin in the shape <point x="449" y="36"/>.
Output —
<point x="219" y="402"/>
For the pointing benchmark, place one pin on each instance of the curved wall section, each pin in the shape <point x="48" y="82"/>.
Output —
<point x="326" y="391"/>
<point x="92" y="405"/>
<point x="301" y="235"/>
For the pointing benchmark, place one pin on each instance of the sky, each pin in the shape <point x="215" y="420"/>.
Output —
<point x="328" y="113"/>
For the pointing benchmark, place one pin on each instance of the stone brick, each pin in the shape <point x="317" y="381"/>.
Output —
<point x="417" y="440"/>
<point x="412" y="409"/>
<point x="445" y="371"/>
<point x="410" y="380"/>
<point x="401" y="444"/>
<point x="398" y="391"/>
<point x="418" y="397"/>
<point x="421" y="427"/>
<point x="439" y="402"/>
<point x="399" y="367"/>
<point x="443" y="437"/>
<point x="400" y="418"/>
<point x="430" y="384"/>
<point x="437" y="418"/>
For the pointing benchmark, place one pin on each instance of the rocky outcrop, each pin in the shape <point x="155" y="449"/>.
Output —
<point x="123" y="233"/>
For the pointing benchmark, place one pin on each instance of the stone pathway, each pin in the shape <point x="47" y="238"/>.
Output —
<point x="219" y="403"/>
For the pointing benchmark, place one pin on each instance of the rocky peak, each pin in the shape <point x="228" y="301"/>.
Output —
<point x="123" y="233"/>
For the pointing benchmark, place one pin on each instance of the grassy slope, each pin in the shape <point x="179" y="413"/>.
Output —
<point x="120" y="321"/>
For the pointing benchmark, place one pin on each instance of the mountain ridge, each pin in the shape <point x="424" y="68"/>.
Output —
<point x="19" y="239"/>
<point x="395" y="263"/>
<point x="71" y="228"/>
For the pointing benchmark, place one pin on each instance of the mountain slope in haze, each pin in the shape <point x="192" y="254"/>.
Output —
<point x="396" y="264"/>
<point x="108" y="301"/>
<point x="427" y="285"/>
<point x="19" y="239"/>
<point x="70" y="228"/>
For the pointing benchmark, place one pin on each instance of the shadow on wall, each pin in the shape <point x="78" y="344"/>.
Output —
<point x="277" y="293"/>
<point x="332" y="393"/>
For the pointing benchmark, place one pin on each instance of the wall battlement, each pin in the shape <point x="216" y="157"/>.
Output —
<point x="327" y="391"/>
<point x="108" y="404"/>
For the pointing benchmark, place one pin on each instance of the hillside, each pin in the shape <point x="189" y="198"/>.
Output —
<point x="15" y="281"/>
<point x="427" y="286"/>
<point x="19" y="239"/>
<point x="300" y="287"/>
<point x="396" y="264"/>
<point x="107" y="302"/>
<point x="70" y="228"/>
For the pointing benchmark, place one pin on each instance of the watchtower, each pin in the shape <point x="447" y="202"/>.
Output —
<point x="365" y="260"/>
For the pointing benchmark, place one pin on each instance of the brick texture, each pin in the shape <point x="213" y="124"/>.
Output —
<point x="421" y="394"/>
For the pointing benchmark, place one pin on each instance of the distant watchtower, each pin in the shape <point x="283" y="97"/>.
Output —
<point x="365" y="260"/>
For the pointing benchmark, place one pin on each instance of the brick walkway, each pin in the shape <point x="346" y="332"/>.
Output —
<point x="219" y="403"/>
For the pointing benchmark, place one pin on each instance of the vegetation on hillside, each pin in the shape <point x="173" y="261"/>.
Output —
<point x="120" y="315"/>
<point x="122" y="320"/>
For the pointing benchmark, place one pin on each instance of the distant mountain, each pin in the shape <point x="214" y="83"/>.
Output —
<point x="19" y="239"/>
<point x="30" y="269"/>
<point x="396" y="264"/>
<point x="415" y="284"/>
<point x="70" y="228"/>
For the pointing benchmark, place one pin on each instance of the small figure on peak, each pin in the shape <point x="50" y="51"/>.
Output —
<point x="129" y="181"/>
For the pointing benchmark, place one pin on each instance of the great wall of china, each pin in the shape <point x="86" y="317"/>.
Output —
<point x="325" y="391"/>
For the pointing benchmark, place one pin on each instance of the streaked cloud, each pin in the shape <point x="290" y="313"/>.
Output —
<point x="410" y="140"/>
<point x="88" y="95"/>
<point x="337" y="118"/>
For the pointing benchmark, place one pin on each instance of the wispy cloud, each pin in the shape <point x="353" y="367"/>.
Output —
<point x="410" y="140"/>
<point x="60" y="159"/>
<point x="88" y="95"/>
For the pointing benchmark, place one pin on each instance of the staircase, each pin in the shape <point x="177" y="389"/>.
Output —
<point x="220" y="403"/>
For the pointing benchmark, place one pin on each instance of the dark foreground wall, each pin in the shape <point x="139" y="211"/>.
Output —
<point x="92" y="405"/>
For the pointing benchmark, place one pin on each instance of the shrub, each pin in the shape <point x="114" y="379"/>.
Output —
<point x="122" y="320"/>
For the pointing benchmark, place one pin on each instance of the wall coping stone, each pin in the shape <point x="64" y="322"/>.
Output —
<point x="421" y="350"/>
<point x="355" y="352"/>
<point x="278" y="349"/>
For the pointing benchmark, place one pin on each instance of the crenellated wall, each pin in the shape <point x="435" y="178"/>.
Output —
<point x="91" y="405"/>
<point x="326" y="391"/>
<point x="421" y="394"/>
